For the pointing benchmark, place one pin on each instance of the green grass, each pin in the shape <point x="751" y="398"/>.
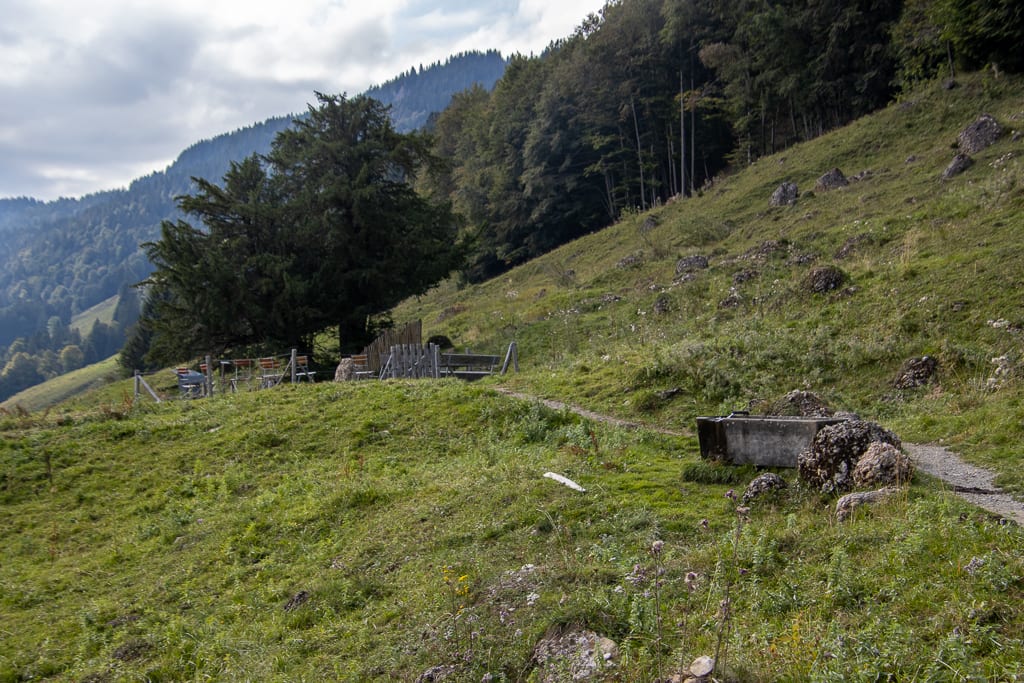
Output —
<point x="371" y="531"/>
<point x="65" y="387"/>
<point x="102" y="312"/>
<point x="167" y="543"/>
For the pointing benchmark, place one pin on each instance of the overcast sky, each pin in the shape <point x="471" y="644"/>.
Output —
<point x="95" y="93"/>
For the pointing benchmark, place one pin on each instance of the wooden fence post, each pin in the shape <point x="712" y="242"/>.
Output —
<point x="295" y="355"/>
<point x="511" y="355"/>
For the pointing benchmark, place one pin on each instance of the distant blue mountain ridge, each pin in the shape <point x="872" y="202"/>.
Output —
<point x="61" y="257"/>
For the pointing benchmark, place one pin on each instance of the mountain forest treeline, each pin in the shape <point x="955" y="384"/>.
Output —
<point x="651" y="98"/>
<point x="646" y="101"/>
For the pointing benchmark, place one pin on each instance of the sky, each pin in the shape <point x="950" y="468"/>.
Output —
<point x="95" y="93"/>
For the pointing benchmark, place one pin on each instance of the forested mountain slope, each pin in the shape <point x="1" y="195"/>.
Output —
<point x="59" y="258"/>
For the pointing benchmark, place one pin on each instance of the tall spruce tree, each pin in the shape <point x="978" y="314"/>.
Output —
<point x="324" y="231"/>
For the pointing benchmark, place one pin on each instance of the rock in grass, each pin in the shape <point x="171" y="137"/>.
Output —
<point x="573" y="655"/>
<point x="784" y="195"/>
<point x="882" y="465"/>
<point x="702" y="666"/>
<point x="763" y="485"/>
<point x="800" y="403"/>
<point x="960" y="163"/>
<point x="916" y="372"/>
<point x="979" y="135"/>
<point x="825" y="279"/>
<point x="851" y="501"/>
<point x="345" y="371"/>
<point x="436" y="673"/>
<point x="831" y="180"/>
<point x="829" y="462"/>
<point x="689" y="264"/>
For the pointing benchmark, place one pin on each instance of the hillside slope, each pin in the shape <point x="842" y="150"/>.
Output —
<point x="618" y="320"/>
<point x="406" y="531"/>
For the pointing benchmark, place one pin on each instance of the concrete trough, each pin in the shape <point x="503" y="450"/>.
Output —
<point x="742" y="439"/>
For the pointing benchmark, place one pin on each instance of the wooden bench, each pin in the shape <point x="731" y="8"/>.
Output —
<point x="302" y="371"/>
<point x="270" y="372"/>
<point x="191" y="384"/>
<point x="361" y="367"/>
<point x="468" y="365"/>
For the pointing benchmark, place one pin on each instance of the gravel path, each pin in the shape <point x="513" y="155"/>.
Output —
<point x="972" y="483"/>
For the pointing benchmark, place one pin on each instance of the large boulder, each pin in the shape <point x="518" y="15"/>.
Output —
<point x="882" y="465"/>
<point x="829" y="462"/>
<point x="784" y="195"/>
<point x="831" y="180"/>
<point x="979" y="135"/>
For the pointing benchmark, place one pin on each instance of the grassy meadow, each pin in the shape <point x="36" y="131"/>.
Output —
<point x="379" y="530"/>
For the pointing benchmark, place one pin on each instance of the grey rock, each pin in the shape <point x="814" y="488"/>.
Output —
<point x="574" y="655"/>
<point x="345" y="371"/>
<point x="702" y="666"/>
<point x="882" y="465"/>
<point x="916" y="372"/>
<point x="851" y="501"/>
<point x="436" y="673"/>
<point x="829" y="462"/>
<point x="688" y="264"/>
<point x="979" y="135"/>
<point x="960" y="163"/>
<point x="784" y="195"/>
<point x="825" y="279"/>
<point x="831" y="180"/>
<point x="631" y="261"/>
<point x="762" y="485"/>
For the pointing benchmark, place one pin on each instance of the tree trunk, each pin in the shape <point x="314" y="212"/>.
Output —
<point x="682" y="139"/>
<point x="639" y="155"/>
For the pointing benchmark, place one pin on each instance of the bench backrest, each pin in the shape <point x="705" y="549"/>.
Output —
<point x="469" y="359"/>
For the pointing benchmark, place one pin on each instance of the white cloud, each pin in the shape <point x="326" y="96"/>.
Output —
<point x="97" y="93"/>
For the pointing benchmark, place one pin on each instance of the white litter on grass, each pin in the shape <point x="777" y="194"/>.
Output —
<point x="565" y="480"/>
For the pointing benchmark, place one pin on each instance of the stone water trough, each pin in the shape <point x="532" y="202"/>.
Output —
<point x="744" y="439"/>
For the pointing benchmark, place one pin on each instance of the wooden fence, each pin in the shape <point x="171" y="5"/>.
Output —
<point x="377" y="352"/>
<point x="419" y="362"/>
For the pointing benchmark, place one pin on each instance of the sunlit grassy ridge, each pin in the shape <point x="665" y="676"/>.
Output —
<point x="373" y="531"/>
<point x="64" y="387"/>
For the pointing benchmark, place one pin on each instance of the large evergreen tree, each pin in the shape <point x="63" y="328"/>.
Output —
<point x="326" y="230"/>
